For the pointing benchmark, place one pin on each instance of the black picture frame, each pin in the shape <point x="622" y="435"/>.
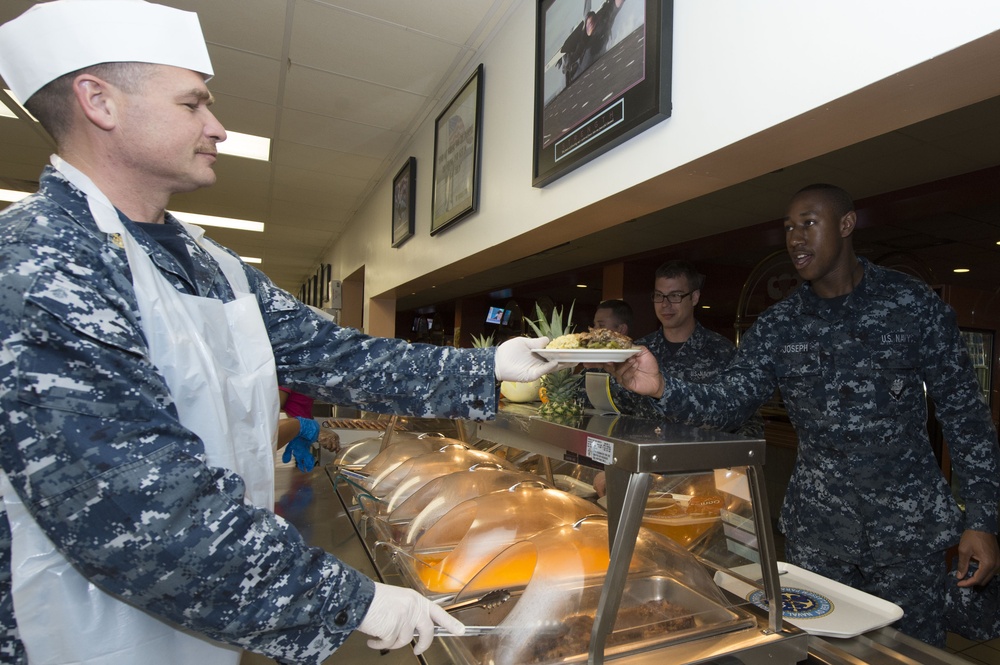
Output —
<point x="594" y="92"/>
<point x="458" y="134"/>
<point x="404" y="202"/>
<point x="325" y="277"/>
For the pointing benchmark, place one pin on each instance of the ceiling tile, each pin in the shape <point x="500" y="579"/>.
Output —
<point x="339" y="188"/>
<point x="351" y="99"/>
<point x="334" y="134"/>
<point x="451" y="20"/>
<point x="335" y="204"/>
<point x="295" y="213"/>
<point x="254" y="26"/>
<point x="245" y="75"/>
<point x="329" y="161"/>
<point x="244" y="115"/>
<point x="333" y="40"/>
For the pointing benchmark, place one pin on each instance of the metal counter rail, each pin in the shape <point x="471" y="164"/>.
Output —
<point x="885" y="646"/>
<point x="631" y="449"/>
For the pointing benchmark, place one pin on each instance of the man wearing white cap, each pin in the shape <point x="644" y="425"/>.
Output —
<point x="135" y="429"/>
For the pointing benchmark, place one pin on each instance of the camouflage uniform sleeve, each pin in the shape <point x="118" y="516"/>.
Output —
<point x="91" y="442"/>
<point x="633" y="404"/>
<point x="733" y="396"/>
<point x="964" y="416"/>
<point x="344" y="366"/>
<point x="716" y="352"/>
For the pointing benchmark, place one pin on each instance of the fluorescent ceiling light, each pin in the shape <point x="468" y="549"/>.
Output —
<point x="18" y="102"/>
<point x="12" y="195"/>
<point x="245" y="145"/>
<point x="224" y="222"/>
<point x="236" y="144"/>
<point x="189" y="217"/>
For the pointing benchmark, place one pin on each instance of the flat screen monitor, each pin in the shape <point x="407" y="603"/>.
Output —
<point x="495" y="315"/>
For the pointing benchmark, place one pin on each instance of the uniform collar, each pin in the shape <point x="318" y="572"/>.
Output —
<point x="871" y="287"/>
<point x="208" y="278"/>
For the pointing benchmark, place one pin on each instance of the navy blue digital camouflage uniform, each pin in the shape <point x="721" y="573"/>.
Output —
<point x="866" y="488"/>
<point x="91" y="441"/>
<point x="703" y="355"/>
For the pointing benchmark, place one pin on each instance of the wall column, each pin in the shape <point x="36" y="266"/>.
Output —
<point x="613" y="282"/>
<point x="382" y="317"/>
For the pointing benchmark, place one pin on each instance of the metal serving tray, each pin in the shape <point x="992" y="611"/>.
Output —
<point x="547" y="641"/>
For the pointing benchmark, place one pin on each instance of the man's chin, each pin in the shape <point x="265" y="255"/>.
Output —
<point x="200" y="182"/>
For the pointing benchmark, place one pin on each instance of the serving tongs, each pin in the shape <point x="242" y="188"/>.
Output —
<point x="487" y="601"/>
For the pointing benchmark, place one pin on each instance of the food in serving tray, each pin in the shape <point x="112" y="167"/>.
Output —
<point x="437" y="577"/>
<point x="595" y="338"/>
<point x="571" y="636"/>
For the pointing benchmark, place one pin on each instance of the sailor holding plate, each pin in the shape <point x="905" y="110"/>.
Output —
<point x="139" y="369"/>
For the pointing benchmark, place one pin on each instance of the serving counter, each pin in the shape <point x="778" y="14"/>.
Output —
<point x="636" y="455"/>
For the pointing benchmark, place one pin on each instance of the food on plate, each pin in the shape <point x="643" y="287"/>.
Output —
<point x="595" y="338"/>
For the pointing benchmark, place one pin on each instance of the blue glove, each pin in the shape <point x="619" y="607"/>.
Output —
<point x="308" y="429"/>
<point x="301" y="446"/>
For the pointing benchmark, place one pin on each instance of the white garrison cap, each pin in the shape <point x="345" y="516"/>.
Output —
<point x="59" y="37"/>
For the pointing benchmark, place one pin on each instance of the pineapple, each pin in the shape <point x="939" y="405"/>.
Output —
<point x="560" y="391"/>
<point x="482" y="341"/>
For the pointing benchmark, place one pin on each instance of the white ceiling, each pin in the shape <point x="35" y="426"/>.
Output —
<point x="339" y="87"/>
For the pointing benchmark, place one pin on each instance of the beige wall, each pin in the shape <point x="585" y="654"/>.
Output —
<point x="757" y="86"/>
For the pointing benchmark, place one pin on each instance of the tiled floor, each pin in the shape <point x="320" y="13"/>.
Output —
<point x="975" y="652"/>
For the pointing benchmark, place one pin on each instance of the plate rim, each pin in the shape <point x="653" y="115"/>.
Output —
<point x="587" y="352"/>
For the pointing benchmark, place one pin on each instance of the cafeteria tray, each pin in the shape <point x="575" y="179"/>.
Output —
<point x="816" y="604"/>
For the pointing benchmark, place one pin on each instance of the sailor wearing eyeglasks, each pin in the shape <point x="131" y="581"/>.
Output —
<point x="682" y="344"/>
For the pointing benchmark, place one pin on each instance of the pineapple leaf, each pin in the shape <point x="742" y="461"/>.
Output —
<point x="482" y="341"/>
<point x="542" y="326"/>
<point x="554" y="327"/>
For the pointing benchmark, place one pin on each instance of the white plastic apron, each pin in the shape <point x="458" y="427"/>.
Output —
<point x="218" y="364"/>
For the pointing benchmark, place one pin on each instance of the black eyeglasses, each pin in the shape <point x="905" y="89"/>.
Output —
<point x="674" y="298"/>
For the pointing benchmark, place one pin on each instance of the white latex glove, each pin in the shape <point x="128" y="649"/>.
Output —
<point x="396" y="615"/>
<point x="516" y="362"/>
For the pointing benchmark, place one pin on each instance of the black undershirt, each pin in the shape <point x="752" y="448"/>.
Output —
<point x="171" y="238"/>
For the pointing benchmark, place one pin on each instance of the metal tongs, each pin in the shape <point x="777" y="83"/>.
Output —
<point x="487" y="601"/>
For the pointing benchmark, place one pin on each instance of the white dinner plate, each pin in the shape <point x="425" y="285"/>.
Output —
<point x="587" y="355"/>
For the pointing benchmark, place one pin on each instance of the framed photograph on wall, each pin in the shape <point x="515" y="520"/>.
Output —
<point x="325" y="276"/>
<point x="404" y="202"/>
<point x="457" y="139"/>
<point x="602" y="75"/>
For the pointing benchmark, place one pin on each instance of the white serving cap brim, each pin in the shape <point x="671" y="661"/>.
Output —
<point x="56" y="38"/>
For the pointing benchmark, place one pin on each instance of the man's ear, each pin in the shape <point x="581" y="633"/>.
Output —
<point x="847" y="224"/>
<point x="96" y="98"/>
<point x="695" y="297"/>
